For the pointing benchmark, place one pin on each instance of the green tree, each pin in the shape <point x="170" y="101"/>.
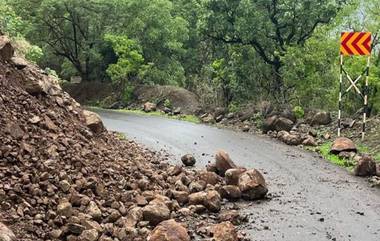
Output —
<point x="130" y="63"/>
<point x="270" y="27"/>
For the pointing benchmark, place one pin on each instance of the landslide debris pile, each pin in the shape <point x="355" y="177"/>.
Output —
<point x="63" y="177"/>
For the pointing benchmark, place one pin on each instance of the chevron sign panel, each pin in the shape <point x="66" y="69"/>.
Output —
<point x="356" y="43"/>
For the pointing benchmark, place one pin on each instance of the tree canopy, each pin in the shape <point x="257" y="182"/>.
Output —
<point x="226" y="51"/>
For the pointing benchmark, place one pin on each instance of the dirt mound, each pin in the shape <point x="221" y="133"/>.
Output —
<point x="62" y="178"/>
<point x="178" y="97"/>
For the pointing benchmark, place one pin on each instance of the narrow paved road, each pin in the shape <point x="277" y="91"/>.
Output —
<point x="312" y="199"/>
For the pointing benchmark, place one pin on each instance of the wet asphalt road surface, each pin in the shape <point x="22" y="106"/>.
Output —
<point x="311" y="198"/>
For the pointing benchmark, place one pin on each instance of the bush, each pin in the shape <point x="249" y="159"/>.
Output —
<point x="298" y="112"/>
<point x="168" y="103"/>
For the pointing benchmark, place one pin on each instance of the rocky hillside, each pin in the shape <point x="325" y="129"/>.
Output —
<point x="64" y="177"/>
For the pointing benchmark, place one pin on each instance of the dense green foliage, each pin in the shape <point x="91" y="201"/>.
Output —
<point x="227" y="51"/>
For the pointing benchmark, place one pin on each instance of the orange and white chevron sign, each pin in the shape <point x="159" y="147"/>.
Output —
<point x="356" y="43"/>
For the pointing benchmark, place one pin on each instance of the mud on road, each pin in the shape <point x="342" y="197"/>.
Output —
<point x="310" y="199"/>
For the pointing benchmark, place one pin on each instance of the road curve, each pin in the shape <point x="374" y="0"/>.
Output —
<point x="312" y="199"/>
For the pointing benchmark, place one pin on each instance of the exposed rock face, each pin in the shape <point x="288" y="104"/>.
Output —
<point x="343" y="144"/>
<point x="365" y="167"/>
<point x="277" y="123"/>
<point x="225" y="232"/>
<point x="149" y="107"/>
<point x="188" y="160"/>
<point x="223" y="162"/>
<point x="169" y="230"/>
<point x="6" y="234"/>
<point x="93" y="121"/>
<point x="252" y="185"/>
<point x="321" y="118"/>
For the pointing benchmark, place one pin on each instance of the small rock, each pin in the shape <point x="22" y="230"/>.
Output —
<point x="65" y="185"/>
<point x="94" y="211"/>
<point x="225" y="231"/>
<point x="321" y="118"/>
<point x="64" y="209"/>
<point x="89" y="235"/>
<point x="213" y="201"/>
<point x="188" y="160"/>
<point x="223" y="162"/>
<point x="365" y="167"/>
<point x="169" y="230"/>
<point x="149" y="107"/>
<point x="246" y="128"/>
<point x="156" y="212"/>
<point x="309" y="141"/>
<point x="20" y="63"/>
<point x="230" y="192"/>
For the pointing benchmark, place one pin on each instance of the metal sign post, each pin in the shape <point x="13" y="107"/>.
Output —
<point x="354" y="44"/>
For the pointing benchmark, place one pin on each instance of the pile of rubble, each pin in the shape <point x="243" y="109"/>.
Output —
<point x="64" y="177"/>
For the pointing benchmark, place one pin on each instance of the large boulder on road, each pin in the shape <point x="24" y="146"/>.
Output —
<point x="223" y="162"/>
<point x="343" y="144"/>
<point x="252" y="185"/>
<point x="169" y="230"/>
<point x="93" y="121"/>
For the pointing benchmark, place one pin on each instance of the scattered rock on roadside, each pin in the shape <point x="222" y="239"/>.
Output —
<point x="225" y="231"/>
<point x="365" y="167"/>
<point x="343" y="144"/>
<point x="188" y="160"/>
<point x="149" y="107"/>
<point x="321" y="118"/>
<point x="277" y="123"/>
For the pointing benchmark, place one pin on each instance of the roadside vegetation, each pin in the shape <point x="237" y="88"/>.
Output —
<point x="216" y="49"/>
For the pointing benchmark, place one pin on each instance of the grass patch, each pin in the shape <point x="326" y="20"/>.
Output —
<point x="121" y="136"/>
<point x="377" y="157"/>
<point x="325" y="148"/>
